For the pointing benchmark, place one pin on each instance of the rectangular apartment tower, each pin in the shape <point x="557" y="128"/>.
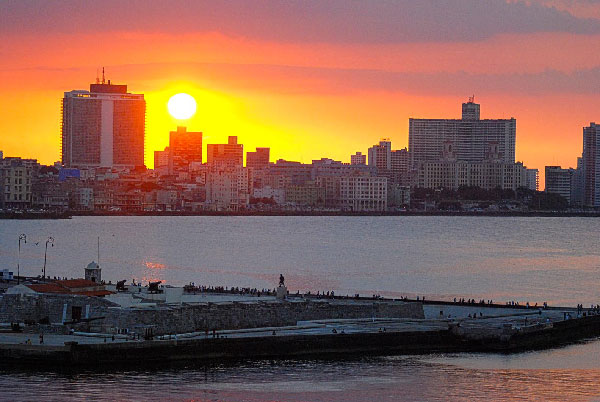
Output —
<point x="591" y="165"/>
<point x="103" y="127"/>
<point x="185" y="147"/>
<point x="470" y="137"/>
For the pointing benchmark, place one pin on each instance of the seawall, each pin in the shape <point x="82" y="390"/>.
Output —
<point x="237" y="315"/>
<point x="107" y="317"/>
<point x="296" y="346"/>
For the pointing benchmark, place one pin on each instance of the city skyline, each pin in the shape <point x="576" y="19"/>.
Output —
<point x="469" y="136"/>
<point x="303" y="92"/>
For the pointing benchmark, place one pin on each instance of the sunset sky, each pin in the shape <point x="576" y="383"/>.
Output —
<point x="310" y="79"/>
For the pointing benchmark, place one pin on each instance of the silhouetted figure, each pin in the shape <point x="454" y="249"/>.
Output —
<point x="281" y="280"/>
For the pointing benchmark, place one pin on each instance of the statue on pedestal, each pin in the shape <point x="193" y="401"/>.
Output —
<point x="281" y="290"/>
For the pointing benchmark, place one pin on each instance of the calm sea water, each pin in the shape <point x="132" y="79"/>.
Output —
<point x="526" y="259"/>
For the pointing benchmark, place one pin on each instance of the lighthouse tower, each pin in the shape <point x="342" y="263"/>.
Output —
<point x="93" y="272"/>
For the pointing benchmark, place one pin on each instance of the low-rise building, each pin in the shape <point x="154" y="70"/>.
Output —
<point x="16" y="179"/>
<point x="227" y="188"/>
<point x="308" y="194"/>
<point x="276" y="194"/>
<point x="398" y="196"/>
<point x="487" y="175"/>
<point x="331" y="184"/>
<point x="50" y="194"/>
<point x="85" y="198"/>
<point x="360" y="193"/>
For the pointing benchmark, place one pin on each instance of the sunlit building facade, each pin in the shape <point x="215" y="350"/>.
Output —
<point x="380" y="155"/>
<point x="185" y="147"/>
<point x="258" y="159"/>
<point x="103" y="127"/>
<point x="230" y="154"/>
<point x="358" y="159"/>
<point x="227" y="188"/>
<point x="470" y="136"/>
<point x="161" y="158"/>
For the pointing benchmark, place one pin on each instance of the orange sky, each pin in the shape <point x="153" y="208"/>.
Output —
<point x="328" y="92"/>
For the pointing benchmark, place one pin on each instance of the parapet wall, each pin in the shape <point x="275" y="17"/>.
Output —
<point x="170" y="319"/>
<point x="36" y="307"/>
<point x="190" y="318"/>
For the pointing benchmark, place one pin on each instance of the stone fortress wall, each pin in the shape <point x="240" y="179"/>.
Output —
<point x="238" y="315"/>
<point x="182" y="318"/>
<point x="37" y="307"/>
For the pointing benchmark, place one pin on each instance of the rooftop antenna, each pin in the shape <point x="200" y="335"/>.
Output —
<point x="98" y="251"/>
<point x="103" y="80"/>
<point x="97" y="76"/>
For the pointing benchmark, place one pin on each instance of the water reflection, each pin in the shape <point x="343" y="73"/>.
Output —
<point x="535" y="376"/>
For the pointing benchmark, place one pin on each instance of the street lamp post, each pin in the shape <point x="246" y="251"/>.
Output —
<point x="24" y="238"/>
<point x="51" y="241"/>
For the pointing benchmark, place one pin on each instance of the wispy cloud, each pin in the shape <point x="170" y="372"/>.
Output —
<point x="317" y="80"/>
<point x="337" y="21"/>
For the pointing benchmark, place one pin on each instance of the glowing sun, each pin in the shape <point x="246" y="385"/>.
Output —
<point x="182" y="106"/>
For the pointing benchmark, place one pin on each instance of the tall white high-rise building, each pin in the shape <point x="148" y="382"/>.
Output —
<point x="532" y="179"/>
<point x="103" y="127"/>
<point x="591" y="165"/>
<point x="470" y="137"/>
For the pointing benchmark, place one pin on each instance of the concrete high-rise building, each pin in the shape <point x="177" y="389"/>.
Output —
<point x="103" y="127"/>
<point x="185" y="147"/>
<point x="230" y="154"/>
<point x="358" y="159"/>
<point x="258" y="159"/>
<point x="470" y="137"/>
<point x="161" y="158"/>
<point x="532" y="179"/>
<point x="591" y="165"/>
<point x="559" y="180"/>
<point x="380" y="155"/>
<point x="578" y="185"/>
<point x="400" y="162"/>
<point x="470" y="110"/>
